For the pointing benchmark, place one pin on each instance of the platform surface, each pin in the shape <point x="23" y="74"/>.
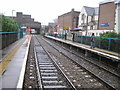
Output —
<point x="108" y="54"/>
<point x="11" y="74"/>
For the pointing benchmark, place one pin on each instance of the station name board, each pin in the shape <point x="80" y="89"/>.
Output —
<point x="65" y="28"/>
<point x="104" y="24"/>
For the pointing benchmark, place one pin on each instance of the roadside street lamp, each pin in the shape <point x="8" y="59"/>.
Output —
<point x="12" y="13"/>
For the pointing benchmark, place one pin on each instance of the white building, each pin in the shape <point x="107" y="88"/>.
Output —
<point x="117" y="18"/>
<point x="88" y="18"/>
<point x="96" y="32"/>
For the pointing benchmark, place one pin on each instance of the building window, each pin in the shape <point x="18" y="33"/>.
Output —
<point x="83" y="17"/>
<point x="91" y="27"/>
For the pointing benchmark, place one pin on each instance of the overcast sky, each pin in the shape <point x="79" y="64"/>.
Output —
<point x="44" y="11"/>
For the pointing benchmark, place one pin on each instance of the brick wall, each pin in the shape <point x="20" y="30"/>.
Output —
<point x="107" y="15"/>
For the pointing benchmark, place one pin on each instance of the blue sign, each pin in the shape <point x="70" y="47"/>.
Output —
<point x="104" y="24"/>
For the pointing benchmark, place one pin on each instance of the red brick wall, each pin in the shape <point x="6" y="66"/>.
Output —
<point x="107" y="15"/>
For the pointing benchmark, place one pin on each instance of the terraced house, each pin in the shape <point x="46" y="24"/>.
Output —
<point x="68" y="21"/>
<point x="88" y="18"/>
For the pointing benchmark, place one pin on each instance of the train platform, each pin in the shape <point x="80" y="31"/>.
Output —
<point x="112" y="55"/>
<point x="13" y="63"/>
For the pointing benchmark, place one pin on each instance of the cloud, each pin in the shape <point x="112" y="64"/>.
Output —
<point x="44" y="10"/>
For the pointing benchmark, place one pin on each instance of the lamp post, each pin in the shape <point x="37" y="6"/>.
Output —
<point x="12" y="13"/>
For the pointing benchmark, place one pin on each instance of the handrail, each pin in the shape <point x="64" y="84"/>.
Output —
<point x="7" y="32"/>
<point x="96" y="37"/>
<point x="101" y="37"/>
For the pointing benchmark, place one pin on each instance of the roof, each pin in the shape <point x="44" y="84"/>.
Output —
<point x="91" y="10"/>
<point x="69" y="12"/>
<point x="52" y="24"/>
<point x="107" y="1"/>
<point x="117" y="1"/>
<point x="96" y="10"/>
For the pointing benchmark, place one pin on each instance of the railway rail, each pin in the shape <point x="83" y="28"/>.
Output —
<point x="57" y="67"/>
<point x="49" y="75"/>
<point x="109" y="78"/>
<point x="101" y="65"/>
<point x="78" y="75"/>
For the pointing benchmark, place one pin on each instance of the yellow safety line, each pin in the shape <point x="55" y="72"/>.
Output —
<point x="8" y="58"/>
<point x="108" y="52"/>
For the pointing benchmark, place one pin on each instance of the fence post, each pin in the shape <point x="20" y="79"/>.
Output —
<point x="5" y="39"/>
<point x="99" y="42"/>
<point x="8" y="39"/>
<point x="0" y="41"/>
<point x="109" y="44"/>
<point x="81" y="39"/>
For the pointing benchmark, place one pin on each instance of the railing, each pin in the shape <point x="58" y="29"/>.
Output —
<point x="110" y="44"/>
<point x="7" y="38"/>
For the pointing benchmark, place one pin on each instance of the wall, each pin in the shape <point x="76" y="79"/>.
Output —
<point x="69" y="20"/>
<point x="117" y="19"/>
<point x="27" y="21"/>
<point x="107" y="15"/>
<point x="87" y="24"/>
<point x="80" y="16"/>
<point x="97" y="32"/>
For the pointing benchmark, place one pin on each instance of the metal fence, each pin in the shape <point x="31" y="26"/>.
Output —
<point x="7" y="38"/>
<point x="110" y="44"/>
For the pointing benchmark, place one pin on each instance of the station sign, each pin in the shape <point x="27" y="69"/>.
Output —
<point x="104" y="24"/>
<point x="66" y="28"/>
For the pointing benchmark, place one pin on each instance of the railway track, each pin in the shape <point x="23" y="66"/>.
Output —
<point x="79" y="76"/>
<point x="111" y="71"/>
<point x="58" y="68"/>
<point x="50" y="75"/>
<point x="30" y="78"/>
<point x="110" y="79"/>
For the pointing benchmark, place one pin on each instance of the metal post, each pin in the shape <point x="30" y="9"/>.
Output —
<point x="109" y="44"/>
<point x="5" y="40"/>
<point x="81" y="39"/>
<point x="12" y="13"/>
<point x="99" y="42"/>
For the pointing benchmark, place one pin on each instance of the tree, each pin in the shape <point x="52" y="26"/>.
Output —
<point x="8" y="24"/>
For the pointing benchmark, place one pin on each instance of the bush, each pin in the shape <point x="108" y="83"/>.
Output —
<point x="114" y="43"/>
<point x="110" y="35"/>
<point x="9" y="25"/>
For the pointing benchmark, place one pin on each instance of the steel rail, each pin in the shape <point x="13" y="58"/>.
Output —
<point x="97" y="77"/>
<point x="38" y="73"/>
<point x="53" y="59"/>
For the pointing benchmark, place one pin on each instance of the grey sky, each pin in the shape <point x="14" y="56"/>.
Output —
<point x="44" y="11"/>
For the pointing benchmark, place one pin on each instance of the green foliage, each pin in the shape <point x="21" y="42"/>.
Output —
<point x="8" y="25"/>
<point x="110" y="35"/>
<point x="114" y="44"/>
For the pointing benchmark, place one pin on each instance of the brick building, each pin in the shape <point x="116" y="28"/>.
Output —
<point x="107" y="10"/>
<point x="52" y="27"/>
<point x="26" y="21"/>
<point x="68" y="20"/>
